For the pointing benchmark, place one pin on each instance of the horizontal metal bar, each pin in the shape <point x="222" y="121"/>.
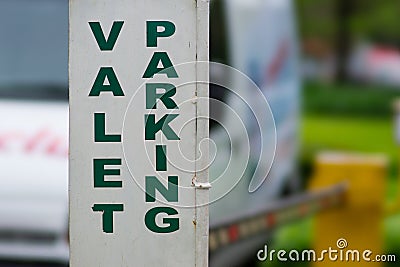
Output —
<point x="277" y="213"/>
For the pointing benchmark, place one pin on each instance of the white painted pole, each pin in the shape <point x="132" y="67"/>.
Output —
<point x="135" y="198"/>
<point x="202" y="195"/>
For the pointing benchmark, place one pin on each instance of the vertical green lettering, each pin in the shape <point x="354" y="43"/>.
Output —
<point x="106" y="45"/>
<point x="152" y="96"/>
<point x="112" y="86"/>
<point x="100" y="130"/>
<point x="167" y="66"/>
<point x="99" y="172"/>
<point x="151" y="127"/>
<point x="108" y="215"/>
<point x="153" y="33"/>
<point x="153" y="184"/>
<point x="161" y="158"/>
<point x="172" y="223"/>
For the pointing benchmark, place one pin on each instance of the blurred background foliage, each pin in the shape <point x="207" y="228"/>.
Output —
<point x="364" y="19"/>
<point x="333" y="27"/>
<point x="341" y="113"/>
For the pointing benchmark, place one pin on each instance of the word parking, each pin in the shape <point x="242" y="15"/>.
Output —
<point x="107" y="81"/>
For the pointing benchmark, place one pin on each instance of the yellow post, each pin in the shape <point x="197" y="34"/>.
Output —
<point x="354" y="228"/>
<point x="394" y="207"/>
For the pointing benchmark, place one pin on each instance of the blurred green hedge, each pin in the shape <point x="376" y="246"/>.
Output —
<point x="348" y="99"/>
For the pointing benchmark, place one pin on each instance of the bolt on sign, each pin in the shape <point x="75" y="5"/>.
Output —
<point x="138" y="182"/>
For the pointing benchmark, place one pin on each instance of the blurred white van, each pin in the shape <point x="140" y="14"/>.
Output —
<point x="34" y="130"/>
<point x="375" y="64"/>
<point x="258" y="38"/>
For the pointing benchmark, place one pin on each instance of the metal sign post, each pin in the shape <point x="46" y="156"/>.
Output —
<point x="137" y="177"/>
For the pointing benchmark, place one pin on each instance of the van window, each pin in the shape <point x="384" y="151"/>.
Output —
<point x="218" y="33"/>
<point x="218" y="53"/>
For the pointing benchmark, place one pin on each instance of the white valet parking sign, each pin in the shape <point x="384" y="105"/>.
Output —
<point x="138" y="182"/>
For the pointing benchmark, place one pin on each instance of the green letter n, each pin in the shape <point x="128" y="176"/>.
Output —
<point x="153" y="184"/>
